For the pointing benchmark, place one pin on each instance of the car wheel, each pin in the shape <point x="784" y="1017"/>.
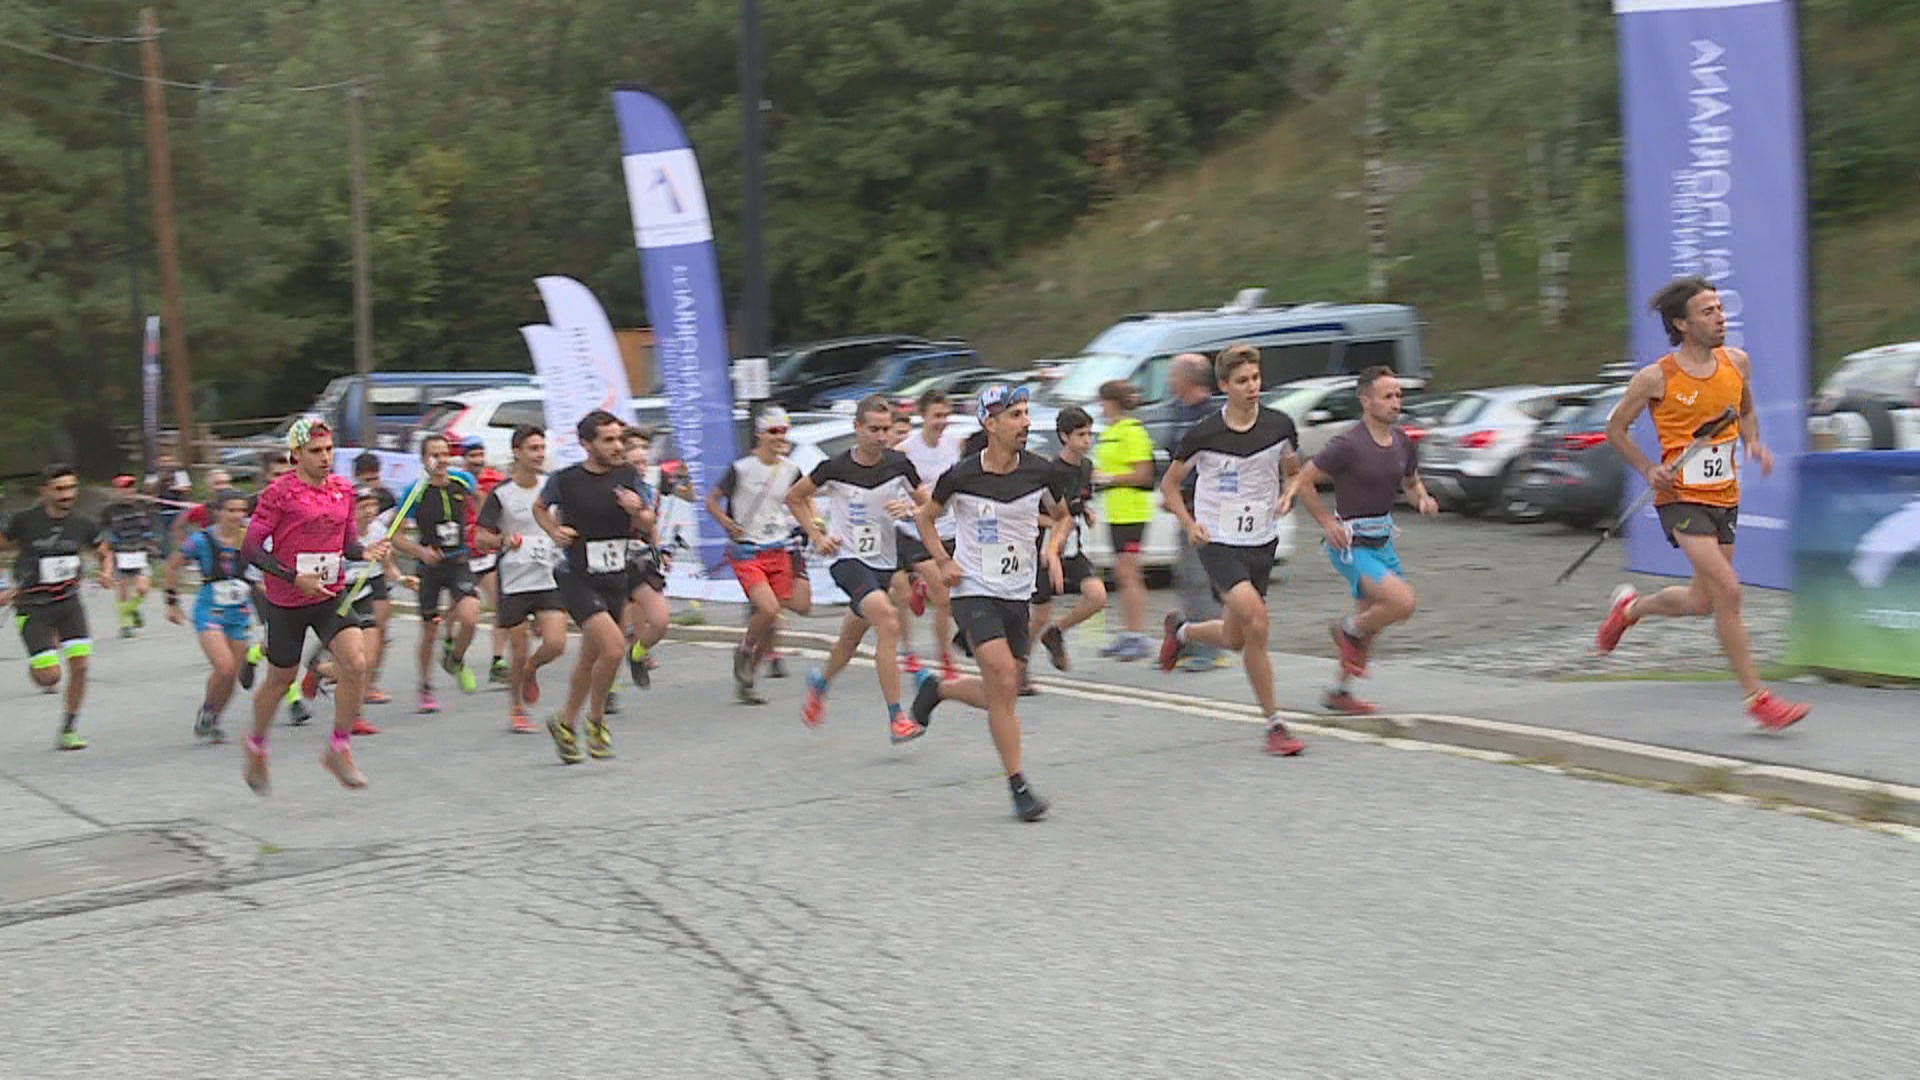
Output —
<point x="1511" y="504"/>
<point x="1878" y="418"/>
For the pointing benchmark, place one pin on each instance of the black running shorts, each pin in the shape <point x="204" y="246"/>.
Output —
<point x="1228" y="566"/>
<point x="910" y="550"/>
<point x="857" y="579"/>
<point x="515" y="608"/>
<point x="1698" y="519"/>
<point x="454" y="577"/>
<point x="45" y="627"/>
<point x="1074" y="569"/>
<point x="988" y="618"/>
<point x="287" y="628"/>
<point x="586" y="597"/>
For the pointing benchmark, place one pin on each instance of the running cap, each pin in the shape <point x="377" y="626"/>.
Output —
<point x="472" y="442"/>
<point x="305" y="430"/>
<point x="773" y="416"/>
<point x="997" y="397"/>
<point x="123" y="481"/>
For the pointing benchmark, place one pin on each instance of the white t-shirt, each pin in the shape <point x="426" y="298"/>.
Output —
<point x="756" y="495"/>
<point x="509" y="512"/>
<point x="932" y="462"/>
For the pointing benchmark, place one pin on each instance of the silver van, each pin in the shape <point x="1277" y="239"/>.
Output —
<point x="1296" y="341"/>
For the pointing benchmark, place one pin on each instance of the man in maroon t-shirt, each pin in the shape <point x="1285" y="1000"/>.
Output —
<point x="1370" y="464"/>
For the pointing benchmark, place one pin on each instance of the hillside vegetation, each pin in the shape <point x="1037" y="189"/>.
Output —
<point x="1284" y="209"/>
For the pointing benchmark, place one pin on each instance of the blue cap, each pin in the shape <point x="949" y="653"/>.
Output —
<point x="473" y="442"/>
<point x="999" y="396"/>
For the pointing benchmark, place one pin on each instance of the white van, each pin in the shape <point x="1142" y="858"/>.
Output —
<point x="1296" y="341"/>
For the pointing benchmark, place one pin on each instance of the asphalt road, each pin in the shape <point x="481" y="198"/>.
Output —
<point x="737" y="896"/>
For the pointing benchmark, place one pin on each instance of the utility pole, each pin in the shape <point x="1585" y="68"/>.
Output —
<point x="160" y="166"/>
<point x="362" y="270"/>
<point x="129" y="176"/>
<point x="756" y="307"/>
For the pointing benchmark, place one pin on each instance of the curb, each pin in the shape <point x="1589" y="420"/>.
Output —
<point x="1681" y="770"/>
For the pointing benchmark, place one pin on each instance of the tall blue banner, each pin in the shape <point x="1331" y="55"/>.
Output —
<point x="682" y="273"/>
<point x="1716" y="186"/>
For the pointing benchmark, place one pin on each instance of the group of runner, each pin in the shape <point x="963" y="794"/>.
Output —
<point x="985" y="532"/>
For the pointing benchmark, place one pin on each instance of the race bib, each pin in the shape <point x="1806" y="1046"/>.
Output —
<point x="1006" y="564"/>
<point x="229" y="592"/>
<point x="483" y="563"/>
<point x="866" y="540"/>
<point x="1243" y="519"/>
<point x="1712" y="467"/>
<point x="537" y="549"/>
<point x="130" y="560"/>
<point x="448" y="533"/>
<point x="771" y="530"/>
<point x="606" y="556"/>
<point x="324" y="565"/>
<point x="55" y="569"/>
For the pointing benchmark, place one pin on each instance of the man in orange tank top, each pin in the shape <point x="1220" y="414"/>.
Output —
<point x="1698" y="502"/>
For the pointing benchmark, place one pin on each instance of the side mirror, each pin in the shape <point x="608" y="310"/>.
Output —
<point x="1319" y="416"/>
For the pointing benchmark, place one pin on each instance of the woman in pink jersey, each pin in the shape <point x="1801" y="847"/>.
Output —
<point x="301" y="535"/>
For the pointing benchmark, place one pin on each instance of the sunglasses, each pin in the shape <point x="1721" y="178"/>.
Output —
<point x="773" y="431"/>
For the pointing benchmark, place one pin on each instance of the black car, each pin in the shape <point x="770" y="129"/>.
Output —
<point x="800" y="374"/>
<point x="1571" y="473"/>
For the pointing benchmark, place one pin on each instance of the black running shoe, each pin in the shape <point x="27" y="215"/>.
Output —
<point x="637" y="666"/>
<point x="298" y="714"/>
<point x="246" y="671"/>
<point x="1028" y="806"/>
<point x="926" y="695"/>
<point x="497" y="671"/>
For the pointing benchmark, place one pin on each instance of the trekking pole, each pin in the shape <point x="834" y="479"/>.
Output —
<point x="399" y="519"/>
<point x="1703" y="437"/>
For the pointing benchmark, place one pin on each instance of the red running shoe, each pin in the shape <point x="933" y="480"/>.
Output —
<point x="1281" y="742"/>
<point x="523" y="724"/>
<point x="917" y="601"/>
<point x="1170" y="641"/>
<point x="310" y="684"/>
<point x="530" y="688"/>
<point x="361" y="727"/>
<point x="377" y="697"/>
<point x="911" y="665"/>
<point x="949" y="671"/>
<point x="1773" y="714"/>
<point x="1343" y="702"/>
<point x="1615" y="625"/>
<point x="1353" y="651"/>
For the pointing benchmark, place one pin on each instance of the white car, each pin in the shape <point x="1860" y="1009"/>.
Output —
<point x="1870" y="402"/>
<point x="1473" y="449"/>
<point x="1326" y="405"/>
<point x="490" y="414"/>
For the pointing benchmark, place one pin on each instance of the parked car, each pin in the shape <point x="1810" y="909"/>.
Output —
<point x="1571" y="474"/>
<point x="1469" y="454"/>
<point x="1870" y="402"/>
<point x="490" y="414"/>
<point x="401" y="400"/>
<point x="799" y="373"/>
<point x="1296" y="341"/>
<point x="1327" y="405"/>
<point x="888" y="374"/>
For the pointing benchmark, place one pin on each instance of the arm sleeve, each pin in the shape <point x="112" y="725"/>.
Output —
<point x="350" y="547"/>
<point x="1413" y="457"/>
<point x="944" y="488"/>
<point x="912" y="474"/>
<point x="822" y="473"/>
<point x="1332" y="458"/>
<point x="1189" y="444"/>
<point x="266" y="518"/>
<point x="550" y="494"/>
<point x="727" y="482"/>
<point x="194" y="550"/>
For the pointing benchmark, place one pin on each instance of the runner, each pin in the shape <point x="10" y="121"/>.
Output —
<point x="933" y="450"/>
<point x="366" y="478"/>
<point x="1240" y="454"/>
<point x="1190" y="399"/>
<point x="131" y="533"/>
<point x="647" y="615"/>
<point x="527" y="588"/>
<point x="1001" y="500"/>
<point x="223" y="608"/>
<point x="473" y="454"/>
<point x="51" y="539"/>
<point x="273" y="465"/>
<point x="1073" y="481"/>
<point x="1370" y="463"/>
<point x="302" y="531"/>
<point x="443" y="517"/>
<point x="600" y="504"/>
<point x="868" y="488"/>
<point x="1124" y="463"/>
<point x="755" y="516"/>
<point x="1699" y="507"/>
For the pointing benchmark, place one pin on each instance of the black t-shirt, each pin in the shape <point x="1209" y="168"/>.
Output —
<point x="443" y="514"/>
<point x="129" y="526"/>
<point x="47" y="568"/>
<point x="1073" y="485"/>
<point x="584" y="501"/>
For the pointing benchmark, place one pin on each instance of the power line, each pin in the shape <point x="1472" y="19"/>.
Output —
<point x="204" y="87"/>
<point x="78" y="37"/>
<point x="84" y="107"/>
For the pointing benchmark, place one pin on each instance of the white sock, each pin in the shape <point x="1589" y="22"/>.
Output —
<point x="1180" y="635"/>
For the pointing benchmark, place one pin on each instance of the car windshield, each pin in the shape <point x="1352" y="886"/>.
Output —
<point x="1083" y="378"/>
<point x="1896" y="372"/>
<point x="1295" y="401"/>
<point x="1464" y="410"/>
